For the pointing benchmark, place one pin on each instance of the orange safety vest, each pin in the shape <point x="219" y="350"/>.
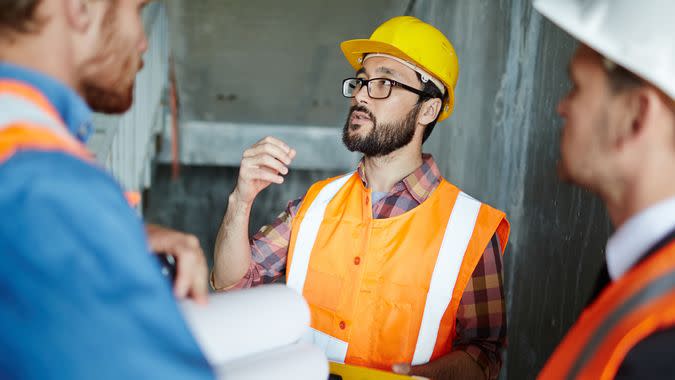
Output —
<point x="385" y="291"/>
<point x="627" y="311"/>
<point x="28" y="121"/>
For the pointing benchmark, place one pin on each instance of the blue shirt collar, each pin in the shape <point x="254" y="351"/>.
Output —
<point x="75" y="113"/>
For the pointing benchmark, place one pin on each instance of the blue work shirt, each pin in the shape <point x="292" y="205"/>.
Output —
<point x="81" y="297"/>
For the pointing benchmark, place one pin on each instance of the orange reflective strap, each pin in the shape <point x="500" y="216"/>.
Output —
<point x="307" y="200"/>
<point x="631" y="308"/>
<point x="489" y="222"/>
<point x="640" y="323"/>
<point x="27" y="137"/>
<point x="29" y="93"/>
<point x="24" y="136"/>
<point x="44" y="129"/>
<point x="30" y="134"/>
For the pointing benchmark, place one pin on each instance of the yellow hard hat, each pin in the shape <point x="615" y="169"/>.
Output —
<point x="416" y="42"/>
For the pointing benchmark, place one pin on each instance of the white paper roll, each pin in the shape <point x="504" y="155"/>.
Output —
<point x="245" y="322"/>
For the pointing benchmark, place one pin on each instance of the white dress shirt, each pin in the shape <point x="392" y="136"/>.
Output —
<point x="640" y="233"/>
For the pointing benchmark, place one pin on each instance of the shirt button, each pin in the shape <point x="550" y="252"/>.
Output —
<point x="357" y="260"/>
<point x="83" y="130"/>
<point x="342" y="325"/>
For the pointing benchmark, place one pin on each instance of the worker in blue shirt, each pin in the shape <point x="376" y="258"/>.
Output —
<point x="80" y="295"/>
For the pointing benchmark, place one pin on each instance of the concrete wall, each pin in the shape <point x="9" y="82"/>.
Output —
<point x="264" y="61"/>
<point x="196" y="201"/>
<point x="501" y="144"/>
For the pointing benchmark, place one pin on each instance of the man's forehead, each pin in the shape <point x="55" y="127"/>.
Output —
<point x="385" y="66"/>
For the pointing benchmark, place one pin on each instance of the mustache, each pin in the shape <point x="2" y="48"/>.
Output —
<point x="361" y="108"/>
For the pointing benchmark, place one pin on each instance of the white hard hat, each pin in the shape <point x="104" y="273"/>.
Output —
<point x="636" y="34"/>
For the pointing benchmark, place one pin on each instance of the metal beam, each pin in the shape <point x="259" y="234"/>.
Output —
<point x="222" y="144"/>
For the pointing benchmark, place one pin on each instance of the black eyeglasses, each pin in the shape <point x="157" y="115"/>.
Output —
<point x="378" y="88"/>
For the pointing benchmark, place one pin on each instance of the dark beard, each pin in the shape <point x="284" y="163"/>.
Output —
<point x="106" y="101"/>
<point x="384" y="138"/>
<point x="103" y="92"/>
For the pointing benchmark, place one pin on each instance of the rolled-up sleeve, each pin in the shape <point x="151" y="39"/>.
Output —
<point x="269" y="250"/>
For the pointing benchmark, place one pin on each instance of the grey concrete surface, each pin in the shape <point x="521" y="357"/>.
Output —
<point x="196" y="201"/>
<point x="501" y="144"/>
<point x="222" y="144"/>
<point x="269" y="62"/>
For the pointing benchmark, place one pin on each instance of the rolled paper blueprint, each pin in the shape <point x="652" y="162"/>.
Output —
<point x="245" y="322"/>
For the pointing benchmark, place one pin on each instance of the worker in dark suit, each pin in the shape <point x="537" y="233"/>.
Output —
<point x="618" y="141"/>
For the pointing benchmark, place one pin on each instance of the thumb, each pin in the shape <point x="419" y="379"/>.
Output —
<point x="401" y="368"/>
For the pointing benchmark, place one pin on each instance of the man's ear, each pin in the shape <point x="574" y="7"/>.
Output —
<point x="639" y="109"/>
<point x="430" y="110"/>
<point x="78" y="14"/>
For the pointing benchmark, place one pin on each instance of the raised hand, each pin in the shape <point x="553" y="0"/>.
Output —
<point x="262" y="164"/>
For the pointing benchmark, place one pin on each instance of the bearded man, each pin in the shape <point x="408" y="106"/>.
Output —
<point x="401" y="269"/>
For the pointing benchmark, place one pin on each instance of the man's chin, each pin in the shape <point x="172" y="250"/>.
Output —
<point x="359" y="131"/>
<point x="109" y="103"/>
<point x="362" y="124"/>
<point x="112" y="107"/>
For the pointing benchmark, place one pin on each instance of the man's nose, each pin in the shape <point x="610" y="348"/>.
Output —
<point x="362" y="96"/>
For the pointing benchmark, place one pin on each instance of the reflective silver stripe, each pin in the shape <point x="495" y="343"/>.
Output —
<point x="309" y="228"/>
<point x="455" y="241"/>
<point x="14" y="109"/>
<point x="334" y="348"/>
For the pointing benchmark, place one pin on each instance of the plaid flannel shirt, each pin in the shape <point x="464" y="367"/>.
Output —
<point x="481" y="317"/>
